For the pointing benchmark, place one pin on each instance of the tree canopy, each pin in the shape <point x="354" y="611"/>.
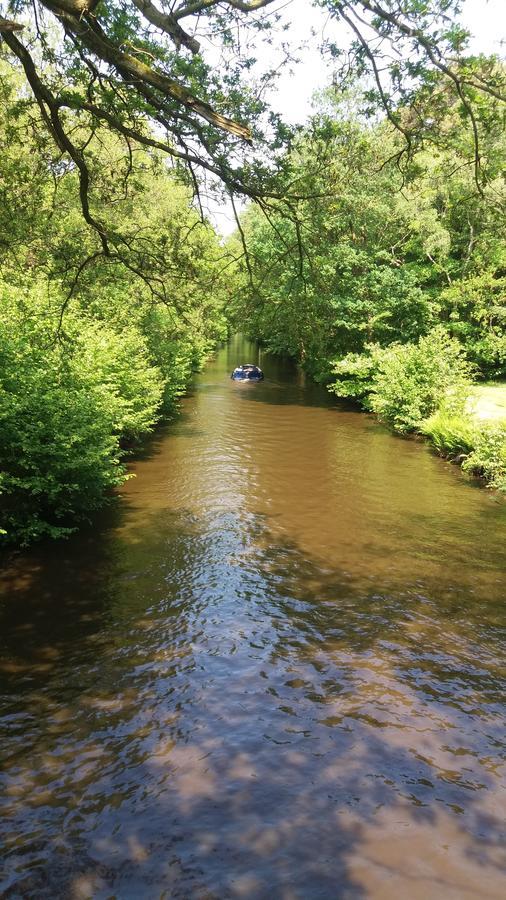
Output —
<point x="175" y="76"/>
<point x="377" y="255"/>
<point x="93" y="348"/>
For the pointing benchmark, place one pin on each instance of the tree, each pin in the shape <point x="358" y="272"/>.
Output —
<point x="139" y="69"/>
<point x="376" y="255"/>
<point x="81" y="382"/>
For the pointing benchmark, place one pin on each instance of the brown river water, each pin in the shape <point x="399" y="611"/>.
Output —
<point x="273" y="670"/>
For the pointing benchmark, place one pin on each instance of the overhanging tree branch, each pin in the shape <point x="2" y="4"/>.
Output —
<point x="118" y="73"/>
<point x="192" y="9"/>
<point x="168" y="23"/>
<point x="89" y="32"/>
<point x="50" y="111"/>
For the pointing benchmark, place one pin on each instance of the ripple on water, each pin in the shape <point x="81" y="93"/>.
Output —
<point x="274" y="670"/>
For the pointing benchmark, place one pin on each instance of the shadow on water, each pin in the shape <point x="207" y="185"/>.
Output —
<point x="246" y="724"/>
<point x="212" y="693"/>
<point x="279" y="394"/>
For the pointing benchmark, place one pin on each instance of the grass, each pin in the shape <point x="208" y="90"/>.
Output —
<point x="488" y="401"/>
<point x="476" y="439"/>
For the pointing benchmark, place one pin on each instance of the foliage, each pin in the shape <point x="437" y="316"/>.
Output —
<point x="91" y="352"/>
<point x="70" y="405"/>
<point x="412" y="381"/>
<point x="355" y="375"/>
<point x="476" y="311"/>
<point x="488" y="457"/>
<point x="60" y="423"/>
<point x="480" y="447"/>
<point x="378" y="256"/>
<point x="357" y="275"/>
<point x="452" y="434"/>
<point x="182" y="77"/>
<point x="405" y="383"/>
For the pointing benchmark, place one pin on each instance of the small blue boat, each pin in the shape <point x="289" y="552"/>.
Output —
<point x="247" y="373"/>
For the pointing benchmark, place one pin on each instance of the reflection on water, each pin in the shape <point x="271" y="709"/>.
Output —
<point x="274" y="670"/>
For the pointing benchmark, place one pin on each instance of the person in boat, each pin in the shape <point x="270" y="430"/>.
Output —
<point x="247" y="372"/>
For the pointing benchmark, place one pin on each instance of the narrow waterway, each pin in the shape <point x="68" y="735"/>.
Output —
<point x="272" y="671"/>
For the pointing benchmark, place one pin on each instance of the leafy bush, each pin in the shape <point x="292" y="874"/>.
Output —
<point x="120" y="364"/>
<point x="405" y="383"/>
<point x="176" y="359"/>
<point x="476" y="311"/>
<point x="355" y="374"/>
<point x="488" y="457"/>
<point x="65" y="406"/>
<point x="412" y="380"/>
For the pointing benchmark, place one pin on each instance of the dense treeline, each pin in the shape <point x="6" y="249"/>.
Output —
<point x="389" y="281"/>
<point x="380" y="253"/>
<point x="91" y="352"/>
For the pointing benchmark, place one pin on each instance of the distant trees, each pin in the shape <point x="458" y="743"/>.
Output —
<point x="389" y="281"/>
<point x="378" y="253"/>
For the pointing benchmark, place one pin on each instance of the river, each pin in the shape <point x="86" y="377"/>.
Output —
<point x="272" y="670"/>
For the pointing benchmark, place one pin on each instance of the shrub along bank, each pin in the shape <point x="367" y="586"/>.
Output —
<point x="96" y="343"/>
<point x="479" y="446"/>
<point x="388" y="280"/>
<point x="72" y="408"/>
<point x="425" y="387"/>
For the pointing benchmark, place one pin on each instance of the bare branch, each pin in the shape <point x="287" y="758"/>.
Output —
<point x="6" y="26"/>
<point x="386" y="105"/>
<point x="191" y="9"/>
<point x="243" y="240"/>
<point x="167" y="23"/>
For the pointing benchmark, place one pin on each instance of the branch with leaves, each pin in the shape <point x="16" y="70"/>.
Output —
<point x="139" y="69"/>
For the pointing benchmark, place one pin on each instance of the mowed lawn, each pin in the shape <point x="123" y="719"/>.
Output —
<point x="488" y="400"/>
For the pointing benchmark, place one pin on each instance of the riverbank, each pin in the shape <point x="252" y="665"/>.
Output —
<point x="475" y="439"/>
<point x="427" y="388"/>
<point x="72" y="420"/>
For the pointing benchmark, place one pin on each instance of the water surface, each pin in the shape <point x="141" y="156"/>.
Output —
<point x="273" y="671"/>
